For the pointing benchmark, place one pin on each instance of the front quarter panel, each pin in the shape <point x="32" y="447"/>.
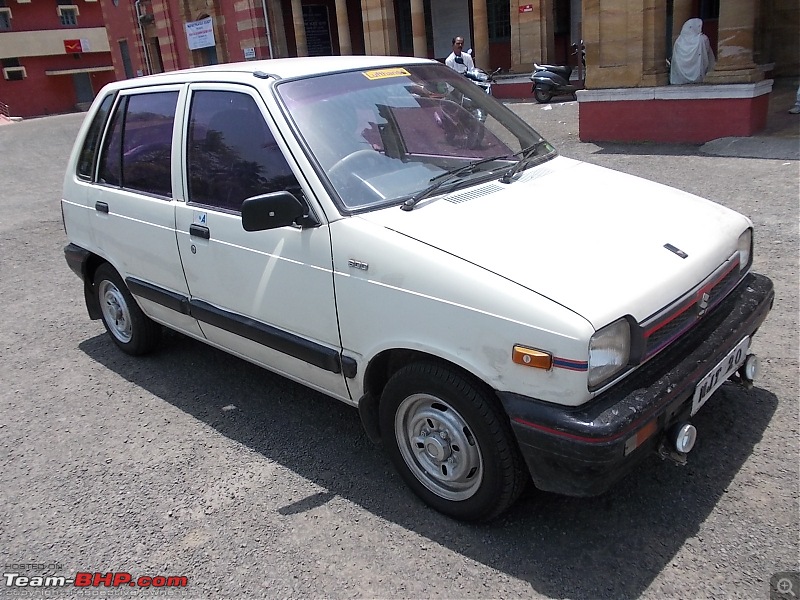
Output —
<point x="394" y="292"/>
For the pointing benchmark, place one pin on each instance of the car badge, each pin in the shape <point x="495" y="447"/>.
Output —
<point x="357" y="264"/>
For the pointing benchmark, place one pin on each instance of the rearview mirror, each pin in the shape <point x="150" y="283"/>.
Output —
<point x="277" y="209"/>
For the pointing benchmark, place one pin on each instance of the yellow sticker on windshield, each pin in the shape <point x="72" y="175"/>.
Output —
<point x="386" y="73"/>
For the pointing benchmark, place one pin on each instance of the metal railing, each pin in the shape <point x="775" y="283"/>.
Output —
<point x="4" y="109"/>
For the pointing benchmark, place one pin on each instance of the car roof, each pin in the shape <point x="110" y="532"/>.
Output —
<point x="278" y="68"/>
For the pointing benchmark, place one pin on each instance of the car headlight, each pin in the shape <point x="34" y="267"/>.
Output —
<point x="745" y="249"/>
<point x="609" y="351"/>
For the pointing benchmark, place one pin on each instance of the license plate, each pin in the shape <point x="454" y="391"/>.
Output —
<point x="719" y="374"/>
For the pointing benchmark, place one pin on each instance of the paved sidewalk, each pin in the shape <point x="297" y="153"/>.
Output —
<point x="780" y="139"/>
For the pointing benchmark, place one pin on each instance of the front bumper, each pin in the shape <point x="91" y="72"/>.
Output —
<point x="582" y="451"/>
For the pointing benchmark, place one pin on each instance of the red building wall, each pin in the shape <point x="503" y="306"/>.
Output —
<point x="237" y="25"/>
<point x="39" y="93"/>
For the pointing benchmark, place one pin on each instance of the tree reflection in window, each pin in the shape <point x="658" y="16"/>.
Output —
<point x="232" y="154"/>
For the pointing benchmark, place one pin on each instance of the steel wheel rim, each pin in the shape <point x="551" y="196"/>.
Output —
<point x="439" y="447"/>
<point x="116" y="314"/>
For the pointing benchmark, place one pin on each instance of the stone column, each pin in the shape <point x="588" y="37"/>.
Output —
<point x="380" y="36"/>
<point x="735" y="46"/>
<point x="654" y="44"/>
<point x="343" y="27"/>
<point x="418" y="30"/>
<point x="480" y="34"/>
<point x="681" y="12"/>
<point x="280" y="46"/>
<point x="299" y="28"/>
<point x="625" y="43"/>
<point x="532" y="39"/>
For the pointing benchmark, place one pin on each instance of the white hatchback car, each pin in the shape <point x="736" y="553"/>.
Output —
<point x="382" y="231"/>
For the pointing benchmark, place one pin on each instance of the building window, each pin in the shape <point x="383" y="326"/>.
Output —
<point x="5" y="18"/>
<point x="126" y="58"/>
<point x="12" y="70"/>
<point x="68" y="15"/>
<point x="499" y="20"/>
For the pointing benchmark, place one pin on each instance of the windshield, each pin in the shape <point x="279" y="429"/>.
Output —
<point x="380" y="136"/>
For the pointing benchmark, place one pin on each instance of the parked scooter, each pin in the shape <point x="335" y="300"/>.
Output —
<point x="554" y="80"/>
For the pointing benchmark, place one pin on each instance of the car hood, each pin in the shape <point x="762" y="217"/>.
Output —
<point x="589" y="238"/>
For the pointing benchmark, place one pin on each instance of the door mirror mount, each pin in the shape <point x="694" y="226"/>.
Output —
<point x="274" y="210"/>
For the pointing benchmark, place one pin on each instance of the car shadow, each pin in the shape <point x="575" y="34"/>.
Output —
<point x="613" y="545"/>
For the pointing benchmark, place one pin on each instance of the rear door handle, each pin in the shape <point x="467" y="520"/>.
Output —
<point x="101" y="207"/>
<point x="199" y="231"/>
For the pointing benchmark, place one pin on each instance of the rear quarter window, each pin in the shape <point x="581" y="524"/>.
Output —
<point x="88" y="155"/>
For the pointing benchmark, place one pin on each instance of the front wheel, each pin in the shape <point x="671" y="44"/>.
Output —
<point x="125" y="322"/>
<point x="542" y="95"/>
<point x="451" y="442"/>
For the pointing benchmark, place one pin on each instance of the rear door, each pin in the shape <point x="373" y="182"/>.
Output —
<point x="134" y="206"/>
<point x="264" y="295"/>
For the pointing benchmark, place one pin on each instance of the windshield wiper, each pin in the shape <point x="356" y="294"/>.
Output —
<point x="526" y="154"/>
<point x="443" y="178"/>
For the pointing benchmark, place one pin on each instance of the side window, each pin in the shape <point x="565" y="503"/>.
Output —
<point x="231" y="153"/>
<point x="89" y="150"/>
<point x="138" y="147"/>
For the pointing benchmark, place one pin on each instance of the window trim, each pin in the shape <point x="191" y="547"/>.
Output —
<point x="9" y="70"/>
<point x="68" y="7"/>
<point x="68" y="11"/>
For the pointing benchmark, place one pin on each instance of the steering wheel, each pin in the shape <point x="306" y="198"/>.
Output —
<point x="352" y="158"/>
<point x="351" y="187"/>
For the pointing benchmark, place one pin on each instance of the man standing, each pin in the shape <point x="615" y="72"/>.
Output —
<point x="459" y="61"/>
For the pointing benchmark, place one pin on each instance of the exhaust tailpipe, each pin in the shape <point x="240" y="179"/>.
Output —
<point x="683" y="436"/>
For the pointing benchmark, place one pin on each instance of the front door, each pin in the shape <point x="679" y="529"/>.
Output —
<point x="83" y="88"/>
<point x="265" y="295"/>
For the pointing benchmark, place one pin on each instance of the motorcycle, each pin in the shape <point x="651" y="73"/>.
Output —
<point x="554" y="80"/>
<point x="484" y="81"/>
<point x="463" y="118"/>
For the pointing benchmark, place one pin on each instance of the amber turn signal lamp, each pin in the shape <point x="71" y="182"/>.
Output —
<point x="528" y="357"/>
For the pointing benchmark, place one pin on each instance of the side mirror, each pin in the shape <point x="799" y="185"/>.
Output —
<point x="270" y="211"/>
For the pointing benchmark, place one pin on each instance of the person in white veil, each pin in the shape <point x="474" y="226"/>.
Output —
<point x="692" y="57"/>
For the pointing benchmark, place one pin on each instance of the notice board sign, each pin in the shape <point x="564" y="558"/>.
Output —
<point x="200" y="34"/>
<point x="318" y="30"/>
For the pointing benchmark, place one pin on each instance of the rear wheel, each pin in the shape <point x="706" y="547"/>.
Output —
<point x="542" y="95"/>
<point x="451" y="442"/>
<point x="125" y="322"/>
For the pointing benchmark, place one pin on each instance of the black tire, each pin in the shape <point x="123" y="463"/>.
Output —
<point x="542" y="95"/>
<point x="451" y="442"/>
<point x="128" y="326"/>
<point x="475" y="134"/>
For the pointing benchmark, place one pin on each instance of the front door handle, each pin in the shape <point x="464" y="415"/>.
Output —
<point x="101" y="207"/>
<point x="199" y="231"/>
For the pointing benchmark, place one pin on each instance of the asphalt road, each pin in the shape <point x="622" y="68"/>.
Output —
<point x="192" y="463"/>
